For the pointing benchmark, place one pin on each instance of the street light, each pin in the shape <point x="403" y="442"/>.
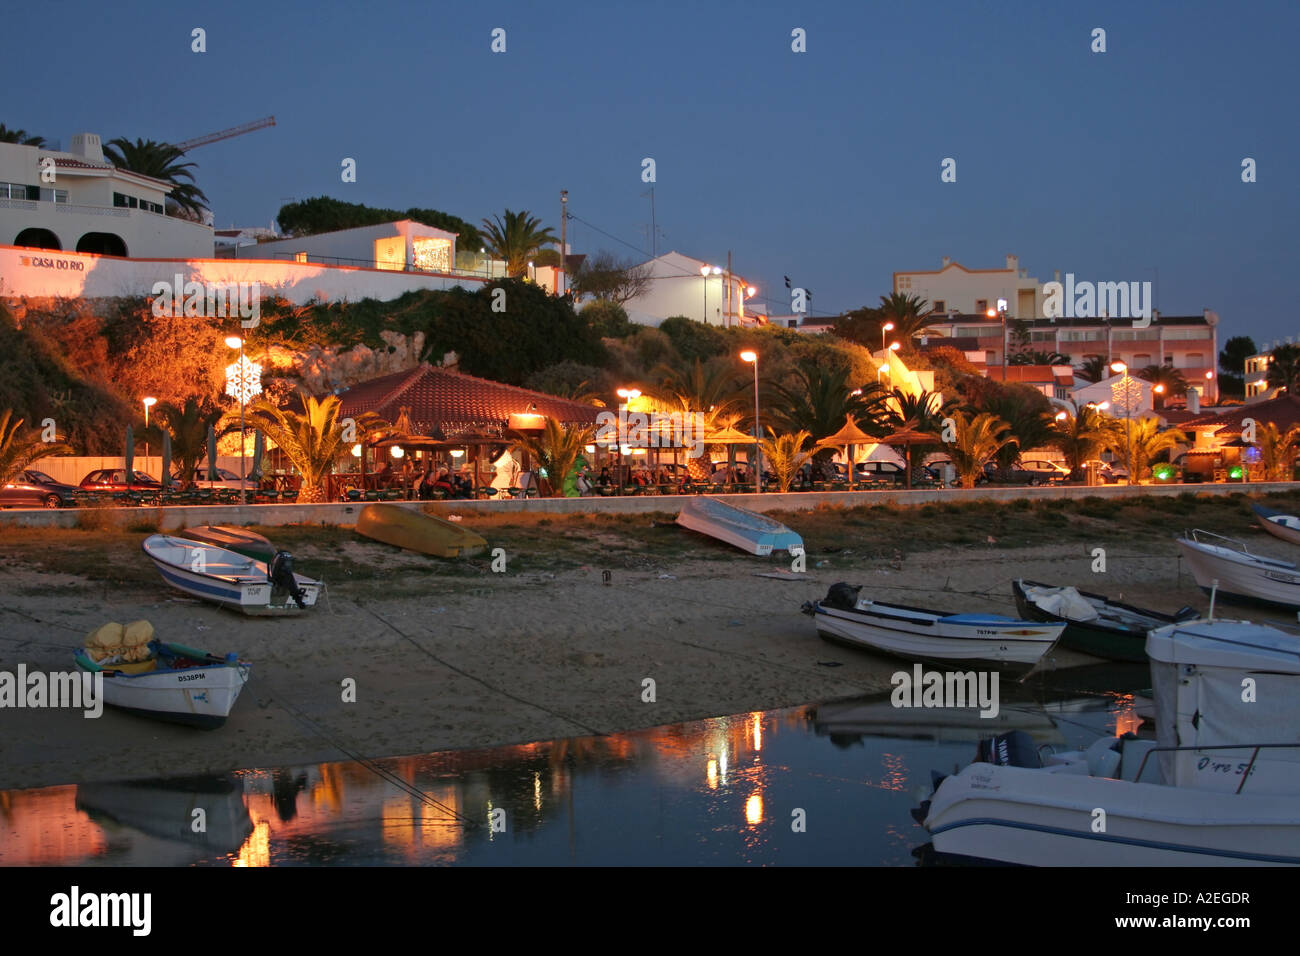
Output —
<point x="148" y="403"/>
<point x="243" y="381"/>
<point x="887" y="327"/>
<point x="749" y="356"/>
<point x="884" y="367"/>
<point x="1121" y="369"/>
<point x="895" y="346"/>
<point x="704" y="316"/>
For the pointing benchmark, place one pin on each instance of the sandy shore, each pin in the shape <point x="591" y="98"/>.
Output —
<point x="508" y="658"/>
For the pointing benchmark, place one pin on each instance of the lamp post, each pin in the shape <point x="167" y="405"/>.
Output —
<point x="148" y="404"/>
<point x="243" y="381"/>
<point x="750" y="356"/>
<point x="1121" y="368"/>
<point x="884" y="367"/>
<point x="887" y="327"/>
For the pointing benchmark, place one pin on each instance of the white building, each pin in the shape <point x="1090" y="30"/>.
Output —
<point x="1131" y="398"/>
<point x="954" y="288"/>
<point x="682" y="285"/>
<point x="76" y="201"/>
<point x="395" y="246"/>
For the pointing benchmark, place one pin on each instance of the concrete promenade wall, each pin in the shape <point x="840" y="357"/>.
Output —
<point x="346" y="514"/>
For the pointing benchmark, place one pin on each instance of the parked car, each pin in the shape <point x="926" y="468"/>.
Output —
<point x="113" y="480"/>
<point x="876" y="470"/>
<point x="36" y="489"/>
<point x="1014" y="476"/>
<point x="225" y="479"/>
<point x="1107" y="473"/>
<point x="1050" y="470"/>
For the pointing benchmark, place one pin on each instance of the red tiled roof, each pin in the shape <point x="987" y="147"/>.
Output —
<point x="1283" y="411"/>
<point x="456" y="403"/>
<point x="1040" y="373"/>
<point x="80" y="164"/>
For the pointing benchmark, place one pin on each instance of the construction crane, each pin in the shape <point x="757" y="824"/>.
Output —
<point x="190" y="144"/>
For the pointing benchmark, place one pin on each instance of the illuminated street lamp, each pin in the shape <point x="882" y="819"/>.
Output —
<point x="243" y="382"/>
<point x="750" y="356"/>
<point x="148" y="404"/>
<point x="884" y="367"/>
<point x="887" y="327"/>
<point x="895" y="346"/>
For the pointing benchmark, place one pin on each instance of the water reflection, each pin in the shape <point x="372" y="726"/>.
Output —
<point x="720" y="791"/>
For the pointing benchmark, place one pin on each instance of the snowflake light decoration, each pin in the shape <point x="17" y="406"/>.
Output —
<point x="1126" y="397"/>
<point x="243" y="380"/>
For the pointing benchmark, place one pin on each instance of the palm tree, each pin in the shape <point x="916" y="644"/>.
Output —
<point x="977" y="440"/>
<point x="515" y="238"/>
<point x="188" y="425"/>
<point x="821" y="398"/>
<point x="1092" y="369"/>
<point x="1138" y="441"/>
<point x="922" y="412"/>
<point x="909" y="313"/>
<point x="159" y="160"/>
<point x="18" y="450"/>
<point x="784" y="455"/>
<point x="1025" y="412"/>
<point x="312" y="440"/>
<point x="1284" y="368"/>
<point x="556" y="450"/>
<point x="1168" y="379"/>
<point x="1277" y="450"/>
<point x="1038" y="358"/>
<point x="1081" y="437"/>
<point x="712" y="388"/>
<point x="21" y="137"/>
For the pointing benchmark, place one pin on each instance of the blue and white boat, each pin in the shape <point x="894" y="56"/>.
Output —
<point x="1239" y="576"/>
<point x="920" y="634"/>
<point x="1220" y="786"/>
<point x="751" y="532"/>
<point x="232" y="580"/>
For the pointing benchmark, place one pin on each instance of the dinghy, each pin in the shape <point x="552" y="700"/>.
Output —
<point x="238" y="540"/>
<point x="1280" y="524"/>
<point x="163" y="680"/>
<point x="1094" y="624"/>
<point x="165" y="809"/>
<point x="1240" y="575"/>
<point x="1218" y="787"/>
<point x="232" y="580"/>
<point x="920" y="634"/>
<point x="416" y="531"/>
<point x="753" y="533"/>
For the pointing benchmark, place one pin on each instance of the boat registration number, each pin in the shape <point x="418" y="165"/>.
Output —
<point x="186" y="677"/>
<point x="1284" y="578"/>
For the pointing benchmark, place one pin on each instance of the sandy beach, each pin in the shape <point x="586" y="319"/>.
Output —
<point x="480" y="658"/>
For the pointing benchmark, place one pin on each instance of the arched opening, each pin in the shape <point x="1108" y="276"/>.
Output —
<point x="102" y="243"/>
<point x="38" y="239"/>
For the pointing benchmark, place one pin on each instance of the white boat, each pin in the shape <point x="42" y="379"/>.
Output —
<point x="165" y="809"/>
<point x="1278" y="523"/>
<point x="174" y="683"/>
<point x="1218" y="787"/>
<point x="920" y="634"/>
<point x="1238" y="574"/>
<point x="755" y="533"/>
<point x="873" y="717"/>
<point x="232" y="580"/>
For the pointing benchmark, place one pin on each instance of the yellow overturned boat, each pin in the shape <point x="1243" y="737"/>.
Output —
<point x="416" y="531"/>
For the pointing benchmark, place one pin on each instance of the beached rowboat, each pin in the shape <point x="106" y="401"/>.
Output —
<point x="1280" y="524"/>
<point x="1239" y="575"/>
<point x="1095" y="624"/>
<point x="174" y="683"/>
<point x="232" y="580"/>
<point x="920" y="634"/>
<point x="238" y="540"/>
<point x="416" y="531"/>
<point x="755" y="533"/>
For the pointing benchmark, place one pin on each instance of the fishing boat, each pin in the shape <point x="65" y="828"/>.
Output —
<point x="165" y="809"/>
<point x="751" y="532"/>
<point x="413" y="530"/>
<point x="1280" y="524"/>
<point x="168" y="681"/>
<point x="1239" y="575"/>
<point x="939" y="636"/>
<point x="1094" y="624"/>
<point x="239" y="540"/>
<point x="232" y="580"/>
<point x="1218" y="786"/>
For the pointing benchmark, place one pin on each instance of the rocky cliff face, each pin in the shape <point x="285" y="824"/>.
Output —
<point x="325" y="369"/>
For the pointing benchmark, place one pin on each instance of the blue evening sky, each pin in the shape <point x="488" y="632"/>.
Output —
<point x="824" y="166"/>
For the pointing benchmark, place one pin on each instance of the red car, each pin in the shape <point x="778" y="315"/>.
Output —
<point x="113" y="480"/>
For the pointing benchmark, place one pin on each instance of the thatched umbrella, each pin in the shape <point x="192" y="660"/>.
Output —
<point x="907" y="436"/>
<point x="848" y="436"/>
<point x="731" y="437"/>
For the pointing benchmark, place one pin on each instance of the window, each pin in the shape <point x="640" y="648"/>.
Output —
<point x="939" y="305"/>
<point x="19" y="191"/>
<point x="300" y="257"/>
<point x="981" y="305"/>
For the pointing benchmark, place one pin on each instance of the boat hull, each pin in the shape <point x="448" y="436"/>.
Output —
<point x="231" y="580"/>
<point x="1242" y="578"/>
<point x="1034" y="817"/>
<point x="753" y="533"/>
<point x="416" y="531"/>
<point x="1097" y="639"/>
<point x="231" y="538"/>
<point x="1277" y="523"/>
<point x="200" y="697"/>
<point x="1014" y="646"/>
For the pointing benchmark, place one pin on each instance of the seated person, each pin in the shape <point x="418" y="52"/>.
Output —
<point x="604" y="480"/>
<point x="443" y="481"/>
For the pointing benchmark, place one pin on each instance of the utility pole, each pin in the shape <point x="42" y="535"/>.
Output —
<point x="564" y="222"/>
<point x="730" y="310"/>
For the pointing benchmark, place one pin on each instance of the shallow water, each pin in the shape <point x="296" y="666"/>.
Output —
<point x="727" y="791"/>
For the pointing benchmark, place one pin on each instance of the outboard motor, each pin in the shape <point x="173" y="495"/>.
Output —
<point x="843" y="596"/>
<point x="280" y="572"/>
<point x="1013" y="749"/>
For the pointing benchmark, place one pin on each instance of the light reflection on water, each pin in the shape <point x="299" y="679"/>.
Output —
<point x="727" y="791"/>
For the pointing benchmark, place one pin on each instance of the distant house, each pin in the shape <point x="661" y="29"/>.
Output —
<point x="1131" y="398"/>
<point x="396" y="246"/>
<point x="682" y="285"/>
<point x="955" y="288"/>
<point x="1054" y="381"/>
